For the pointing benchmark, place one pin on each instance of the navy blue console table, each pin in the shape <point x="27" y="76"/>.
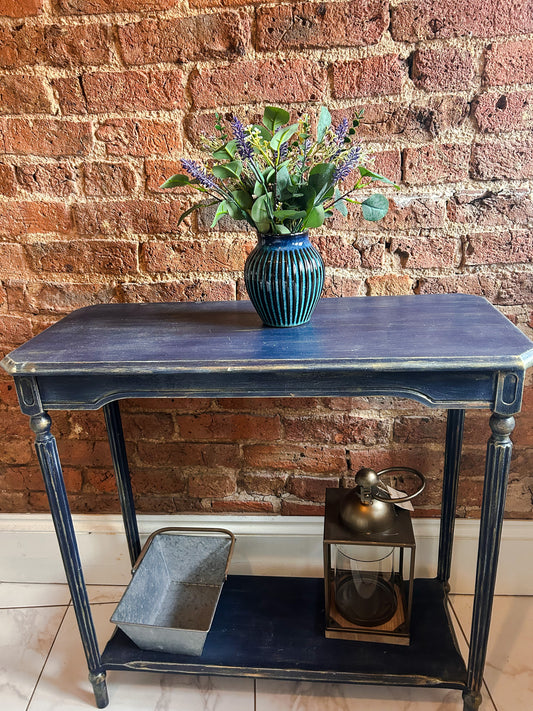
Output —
<point x="447" y="351"/>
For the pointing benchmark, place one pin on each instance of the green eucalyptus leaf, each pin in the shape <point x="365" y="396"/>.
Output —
<point x="228" y="170"/>
<point x="222" y="210"/>
<point x="283" y="179"/>
<point x="282" y="230"/>
<point x="175" y="181"/>
<point x="227" y="152"/>
<point x="364" y="172"/>
<point x="315" y="217"/>
<point x="324" y="122"/>
<point x="320" y="176"/>
<point x="282" y="136"/>
<point x="259" y="211"/>
<point x="268" y="175"/>
<point x="274" y="118"/>
<point x="259" y="188"/>
<point x="243" y="199"/>
<point x="375" y="207"/>
<point x="266" y="135"/>
<point x="290" y="214"/>
<point x="340" y="203"/>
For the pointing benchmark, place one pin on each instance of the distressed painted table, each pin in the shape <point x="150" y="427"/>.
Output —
<point x="447" y="351"/>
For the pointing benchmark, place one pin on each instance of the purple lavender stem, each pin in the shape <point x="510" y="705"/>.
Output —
<point x="245" y="150"/>
<point x="197" y="172"/>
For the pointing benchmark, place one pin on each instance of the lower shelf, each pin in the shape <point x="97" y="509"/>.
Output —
<point x="274" y="627"/>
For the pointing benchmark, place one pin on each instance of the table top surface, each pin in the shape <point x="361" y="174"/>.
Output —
<point x="439" y="332"/>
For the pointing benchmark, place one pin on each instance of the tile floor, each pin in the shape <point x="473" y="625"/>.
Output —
<point x="42" y="666"/>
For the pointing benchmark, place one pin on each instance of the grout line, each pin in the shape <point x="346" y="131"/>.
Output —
<point x="46" y="659"/>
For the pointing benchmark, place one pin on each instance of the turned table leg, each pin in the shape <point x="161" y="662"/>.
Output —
<point x="122" y="475"/>
<point x="497" y="467"/>
<point x="48" y="456"/>
<point x="452" y="461"/>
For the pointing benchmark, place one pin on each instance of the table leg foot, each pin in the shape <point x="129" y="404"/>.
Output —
<point x="471" y="700"/>
<point x="100" y="689"/>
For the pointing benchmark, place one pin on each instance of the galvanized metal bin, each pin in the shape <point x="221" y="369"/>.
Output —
<point x="172" y="597"/>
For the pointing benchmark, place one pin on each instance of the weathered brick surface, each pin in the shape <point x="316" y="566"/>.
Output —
<point x="371" y="76"/>
<point x="253" y="82"/>
<point x="185" y="39"/>
<point x="99" y="101"/>
<point x="509" y="62"/>
<point x="495" y="112"/>
<point x="307" y="24"/>
<point x="441" y="69"/>
<point x="429" y="19"/>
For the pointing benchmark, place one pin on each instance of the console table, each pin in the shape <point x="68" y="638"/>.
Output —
<point x="447" y="351"/>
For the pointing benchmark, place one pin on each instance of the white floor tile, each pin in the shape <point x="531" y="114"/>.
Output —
<point x="509" y="667"/>
<point x="304" y="696"/>
<point x="32" y="595"/>
<point x="64" y="685"/>
<point x="26" y="636"/>
<point x="105" y="593"/>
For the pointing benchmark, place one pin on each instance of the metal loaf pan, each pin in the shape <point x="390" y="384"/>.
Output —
<point x="171" y="600"/>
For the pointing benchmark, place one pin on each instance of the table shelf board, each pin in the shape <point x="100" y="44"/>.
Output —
<point x="273" y="627"/>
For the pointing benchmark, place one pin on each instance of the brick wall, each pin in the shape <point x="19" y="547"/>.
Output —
<point x="98" y="100"/>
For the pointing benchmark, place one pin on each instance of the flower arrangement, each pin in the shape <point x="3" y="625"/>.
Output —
<point x="277" y="177"/>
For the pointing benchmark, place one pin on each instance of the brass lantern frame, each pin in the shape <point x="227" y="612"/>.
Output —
<point x="400" y="536"/>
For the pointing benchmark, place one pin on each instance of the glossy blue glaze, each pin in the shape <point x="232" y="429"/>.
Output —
<point x="284" y="276"/>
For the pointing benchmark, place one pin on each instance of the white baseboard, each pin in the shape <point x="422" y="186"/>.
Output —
<point x="265" y="545"/>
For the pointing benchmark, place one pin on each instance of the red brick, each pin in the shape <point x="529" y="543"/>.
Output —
<point x="290" y="457"/>
<point x="425" y="252"/>
<point x="197" y="256"/>
<point x="87" y="44"/>
<point x="212" y="485"/>
<point x="147" y="425"/>
<point x="336" y="429"/>
<point x="20" y="45"/>
<point x="436" y="163"/>
<point x="301" y="508"/>
<point x="498" y="248"/>
<point x="389" y="285"/>
<point x="57" y="179"/>
<point x="12" y="261"/>
<point x="139" y="137"/>
<point x="8" y="183"/>
<point x="186" y="454"/>
<point x="14" y="329"/>
<point x="257" y="82"/>
<point x="509" y="63"/>
<point x="223" y="3"/>
<point x="419" y="429"/>
<point x="414" y="213"/>
<point x="185" y="39"/>
<point x="338" y="252"/>
<point x="183" y="290"/>
<point x="20" y="218"/>
<point x="21" y="8"/>
<point x="337" y="286"/>
<point x="88" y="257"/>
<point x="78" y="452"/>
<point x="157" y="171"/>
<point x="430" y="19"/>
<point x="370" y="76"/>
<point x="133" y="91"/>
<point x="70" y="95"/>
<point x="24" y="95"/>
<point x="98" y="7"/>
<point x="310" y="487"/>
<point x="263" y="484"/>
<point x="442" y="69"/>
<point x="139" y="216"/>
<point x="308" y="24"/>
<point x="464" y="284"/>
<point x="45" y="137"/>
<point x="249" y="507"/>
<point x="495" y="112"/>
<point x="63" y="298"/>
<point x="489" y="209"/>
<point x="510" y="159"/>
<point x="416" y="120"/>
<point x="219" y="426"/>
<point x="106" y="179"/>
<point x="508" y="288"/>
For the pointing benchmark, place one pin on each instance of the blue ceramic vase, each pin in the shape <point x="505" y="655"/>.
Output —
<point x="284" y="276"/>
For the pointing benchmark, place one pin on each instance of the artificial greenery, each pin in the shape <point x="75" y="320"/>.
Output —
<point x="277" y="177"/>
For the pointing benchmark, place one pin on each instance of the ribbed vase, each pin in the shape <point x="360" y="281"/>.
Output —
<point x="284" y="276"/>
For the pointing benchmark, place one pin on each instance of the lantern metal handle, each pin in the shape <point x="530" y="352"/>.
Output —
<point x="403" y="498"/>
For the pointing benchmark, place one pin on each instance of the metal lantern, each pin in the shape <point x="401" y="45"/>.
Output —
<point x="369" y="559"/>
